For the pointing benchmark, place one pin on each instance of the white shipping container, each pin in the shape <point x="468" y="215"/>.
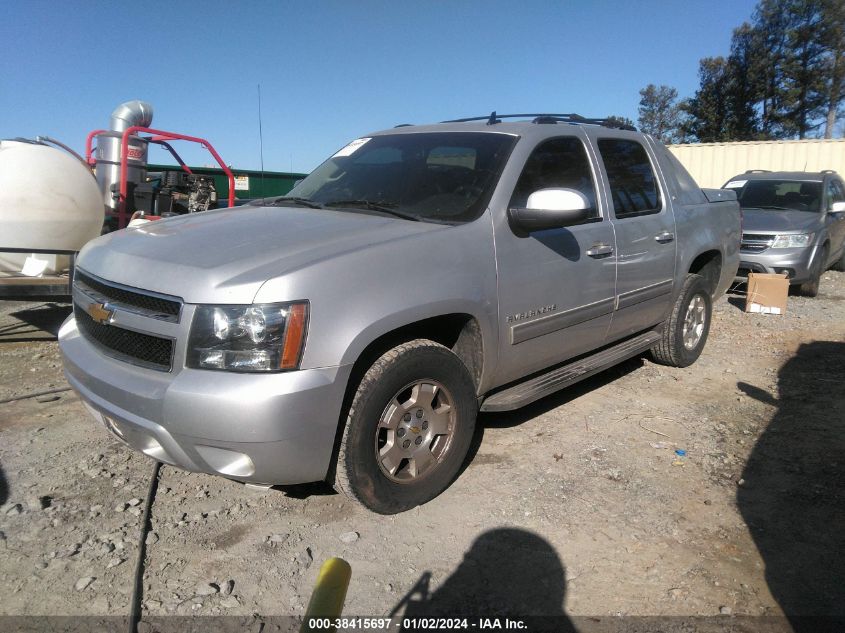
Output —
<point x="712" y="164"/>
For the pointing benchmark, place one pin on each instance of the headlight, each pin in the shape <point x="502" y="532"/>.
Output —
<point x="255" y="338"/>
<point x="792" y="241"/>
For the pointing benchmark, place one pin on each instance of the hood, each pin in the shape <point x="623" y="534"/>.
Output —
<point x="771" y="221"/>
<point x="224" y="256"/>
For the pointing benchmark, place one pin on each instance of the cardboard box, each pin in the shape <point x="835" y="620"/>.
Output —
<point x="767" y="293"/>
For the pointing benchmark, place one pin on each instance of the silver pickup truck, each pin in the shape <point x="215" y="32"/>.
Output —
<point x="352" y="330"/>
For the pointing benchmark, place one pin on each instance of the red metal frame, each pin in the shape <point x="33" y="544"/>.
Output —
<point x="159" y="137"/>
<point x="88" y="142"/>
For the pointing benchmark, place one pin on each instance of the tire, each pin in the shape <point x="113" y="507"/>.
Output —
<point x="840" y="263"/>
<point x="685" y="331"/>
<point x="811" y="288"/>
<point x="392" y="455"/>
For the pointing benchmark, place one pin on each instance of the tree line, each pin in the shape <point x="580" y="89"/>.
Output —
<point x="784" y="78"/>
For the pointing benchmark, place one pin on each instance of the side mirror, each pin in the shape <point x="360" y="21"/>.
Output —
<point x="837" y="207"/>
<point x="551" y="209"/>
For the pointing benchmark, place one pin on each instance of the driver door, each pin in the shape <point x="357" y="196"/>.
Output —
<point x="556" y="286"/>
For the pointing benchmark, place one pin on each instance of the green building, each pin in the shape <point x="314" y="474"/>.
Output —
<point x="248" y="183"/>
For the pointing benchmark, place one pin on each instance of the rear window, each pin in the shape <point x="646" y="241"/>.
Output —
<point x="633" y="186"/>
<point x="688" y="190"/>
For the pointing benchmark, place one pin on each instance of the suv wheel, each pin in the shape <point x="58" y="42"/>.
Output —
<point x="811" y="288"/>
<point x="686" y="329"/>
<point x="409" y="428"/>
<point x="840" y="263"/>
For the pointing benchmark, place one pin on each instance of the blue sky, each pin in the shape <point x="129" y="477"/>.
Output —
<point x="332" y="71"/>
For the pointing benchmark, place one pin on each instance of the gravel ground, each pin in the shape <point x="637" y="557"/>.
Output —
<point x="576" y="504"/>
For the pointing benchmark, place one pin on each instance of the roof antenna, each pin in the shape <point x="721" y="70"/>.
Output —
<point x="261" y="143"/>
<point x="493" y="120"/>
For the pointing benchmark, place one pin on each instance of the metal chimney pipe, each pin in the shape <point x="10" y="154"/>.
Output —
<point x="131" y="113"/>
<point x="123" y="117"/>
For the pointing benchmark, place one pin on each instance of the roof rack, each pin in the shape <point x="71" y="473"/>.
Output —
<point x="546" y="118"/>
<point x="758" y="171"/>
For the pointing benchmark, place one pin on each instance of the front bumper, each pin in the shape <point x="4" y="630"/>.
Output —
<point x="798" y="262"/>
<point x="259" y="428"/>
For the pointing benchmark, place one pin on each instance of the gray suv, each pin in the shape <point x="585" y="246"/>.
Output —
<point x="793" y="223"/>
<point x="352" y="330"/>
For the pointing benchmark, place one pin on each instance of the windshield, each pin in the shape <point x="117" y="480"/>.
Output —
<point x="432" y="176"/>
<point x="778" y="195"/>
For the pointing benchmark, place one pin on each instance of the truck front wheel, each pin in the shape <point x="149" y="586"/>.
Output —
<point x="686" y="329"/>
<point x="409" y="428"/>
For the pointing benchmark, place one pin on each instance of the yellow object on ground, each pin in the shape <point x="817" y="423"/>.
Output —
<point x="329" y="594"/>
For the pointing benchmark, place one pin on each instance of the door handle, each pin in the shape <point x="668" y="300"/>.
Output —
<point x="600" y="249"/>
<point x="664" y="237"/>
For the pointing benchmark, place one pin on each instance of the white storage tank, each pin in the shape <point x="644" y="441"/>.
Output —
<point x="49" y="200"/>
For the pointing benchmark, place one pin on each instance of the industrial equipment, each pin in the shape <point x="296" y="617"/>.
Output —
<point x="120" y="164"/>
<point x="53" y="201"/>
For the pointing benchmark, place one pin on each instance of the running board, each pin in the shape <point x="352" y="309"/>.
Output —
<point x="541" y="386"/>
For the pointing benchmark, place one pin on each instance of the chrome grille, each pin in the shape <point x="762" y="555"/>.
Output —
<point x="755" y="242"/>
<point x="141" y="302"/>
<point x="134" y="347"/>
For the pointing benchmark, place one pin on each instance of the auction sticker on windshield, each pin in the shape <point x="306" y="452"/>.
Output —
<point x="734" y="184"/>
<point x="352" y="147"/>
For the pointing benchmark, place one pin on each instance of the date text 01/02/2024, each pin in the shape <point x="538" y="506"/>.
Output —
<point x="413" y="624"/>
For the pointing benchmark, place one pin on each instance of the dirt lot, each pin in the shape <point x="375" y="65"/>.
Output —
<point x="575" y="505"/>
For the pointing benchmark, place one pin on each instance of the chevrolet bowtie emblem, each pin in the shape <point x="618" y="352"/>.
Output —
<point x="100" y="313"/>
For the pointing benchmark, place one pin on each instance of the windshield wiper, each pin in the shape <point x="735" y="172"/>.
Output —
<point x="772" y="208"/>
<point x="382" y="207"/>
<point x="305" y="202"/>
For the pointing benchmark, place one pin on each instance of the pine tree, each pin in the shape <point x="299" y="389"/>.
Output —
<point x="620" y="121"/>
<point x="707" y="111"/>
<point x="804" y="81"/>
<point x="743" y="84"/>
<point x="791" y="33"/>
<point x="658" y="113"/>
<point x="769" y="33"/>
<point x="784" y="78"/>
<point x="833" y="36"/>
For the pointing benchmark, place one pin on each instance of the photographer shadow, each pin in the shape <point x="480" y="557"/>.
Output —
<point x="4" y="487"/>
<point x="793" y="495"/>
<point x="507" y="572"/>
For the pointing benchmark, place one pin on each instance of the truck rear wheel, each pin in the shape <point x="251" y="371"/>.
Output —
<point x="409" y="428"/>
<point x="685" y="331"/>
